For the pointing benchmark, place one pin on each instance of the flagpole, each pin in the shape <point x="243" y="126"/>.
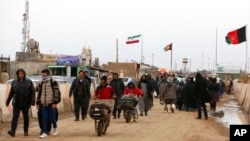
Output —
<point x="215" y="52"/>
<point x="116" y="50"/>
<point x="141" y="50"/>
<point x="171" y="56"/>
<point x="246" y="53"/>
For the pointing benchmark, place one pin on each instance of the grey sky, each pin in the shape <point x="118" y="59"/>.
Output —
<point x="66" y="26"/>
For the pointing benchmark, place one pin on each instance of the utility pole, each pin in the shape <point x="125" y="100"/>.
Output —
<point x="116" y="50"/>
<point x="152" y="59"/>
<point x="208" y="64"/>
<point x="26" y="26"/>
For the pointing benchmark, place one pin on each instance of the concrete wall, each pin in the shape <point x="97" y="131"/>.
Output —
<point x="242" y="93"/>
<point x="124" y="69"/>
<point x="65" y="105"/>
<point x="31" y="68"/>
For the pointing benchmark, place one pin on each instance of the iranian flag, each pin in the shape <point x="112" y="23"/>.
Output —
<point x="133" y="39"/>
<point x="237" y="36"/>
<point x="168" y="47"/>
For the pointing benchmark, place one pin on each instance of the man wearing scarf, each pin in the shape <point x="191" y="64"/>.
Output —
<point x="48" y="97"/>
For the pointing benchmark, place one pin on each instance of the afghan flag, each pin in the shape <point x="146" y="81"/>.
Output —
<point x="133" y="39"/>
<point x="168" y="47"/>
<point x="237" y="36"/>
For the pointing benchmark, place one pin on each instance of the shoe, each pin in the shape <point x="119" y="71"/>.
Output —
<point x="198" y="118"/>
<point x="146" y="113"/>
<point x="141" y="114"/>
<point x="77" y="119"/>
<point x="165" y="108"/>
<point x="26" y="134"/>
<point x="118" y="115"/>
<point x="114" y="117"/>
<point x="55" y="132"/>
<point x="43" y="136"/>
<point x="11" y="133"/>
<point x="206" y="118"/>
<point x="172" y="110"/>
<point x="83" y="118"/>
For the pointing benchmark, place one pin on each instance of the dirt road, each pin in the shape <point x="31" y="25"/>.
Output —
<point x="157" y="126"/>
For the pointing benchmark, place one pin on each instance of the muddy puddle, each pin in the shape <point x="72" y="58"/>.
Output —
<point x="230" y="113"/>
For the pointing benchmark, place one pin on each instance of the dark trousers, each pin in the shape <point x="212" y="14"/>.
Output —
<point x="48" y="114"/>
<point x="80" y="104"/>
<point x="201" y="104"/>
<point x="16" y="112"/>
<point x="39" y="115"/>
<point x="115" y="110"/>
<point x="213" y="106"/>
<point x="85" y="107"/>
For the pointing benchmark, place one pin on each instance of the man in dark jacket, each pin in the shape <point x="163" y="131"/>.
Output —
<point x="22" y="93"/>
<point x="86" y="76"/>
<point x="81" y="93"/>
<point x="200" y="90"/>
<point x="118" y="86"/>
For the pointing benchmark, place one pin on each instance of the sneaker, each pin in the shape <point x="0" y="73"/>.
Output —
<point x="43" y="136"/>
<point x="55" y="132"/>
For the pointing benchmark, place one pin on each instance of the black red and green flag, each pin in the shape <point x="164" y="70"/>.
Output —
<point x="168" y="47"/>
<point x="236" y="36"/>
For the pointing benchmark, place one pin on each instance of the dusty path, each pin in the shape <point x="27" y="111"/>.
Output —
<point x="157" y="126"/>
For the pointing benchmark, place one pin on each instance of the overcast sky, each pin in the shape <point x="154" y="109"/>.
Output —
<point x="66" y="26"/>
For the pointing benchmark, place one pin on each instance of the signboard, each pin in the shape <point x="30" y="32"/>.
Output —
<point x="229" y="69"/>
<point x="69" y="60"/>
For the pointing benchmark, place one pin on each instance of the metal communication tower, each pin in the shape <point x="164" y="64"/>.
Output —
<point x="26" y="26"/>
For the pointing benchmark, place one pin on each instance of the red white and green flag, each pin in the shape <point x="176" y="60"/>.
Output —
<point x="168" y="47"/>
<point x="133" y="39"/>
<point x="236" y="36"/>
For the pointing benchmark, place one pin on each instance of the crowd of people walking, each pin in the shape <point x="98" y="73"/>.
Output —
<point x="184" y="94"/>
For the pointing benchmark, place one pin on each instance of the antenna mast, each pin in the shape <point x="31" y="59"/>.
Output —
<point x="26" y="26"/>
